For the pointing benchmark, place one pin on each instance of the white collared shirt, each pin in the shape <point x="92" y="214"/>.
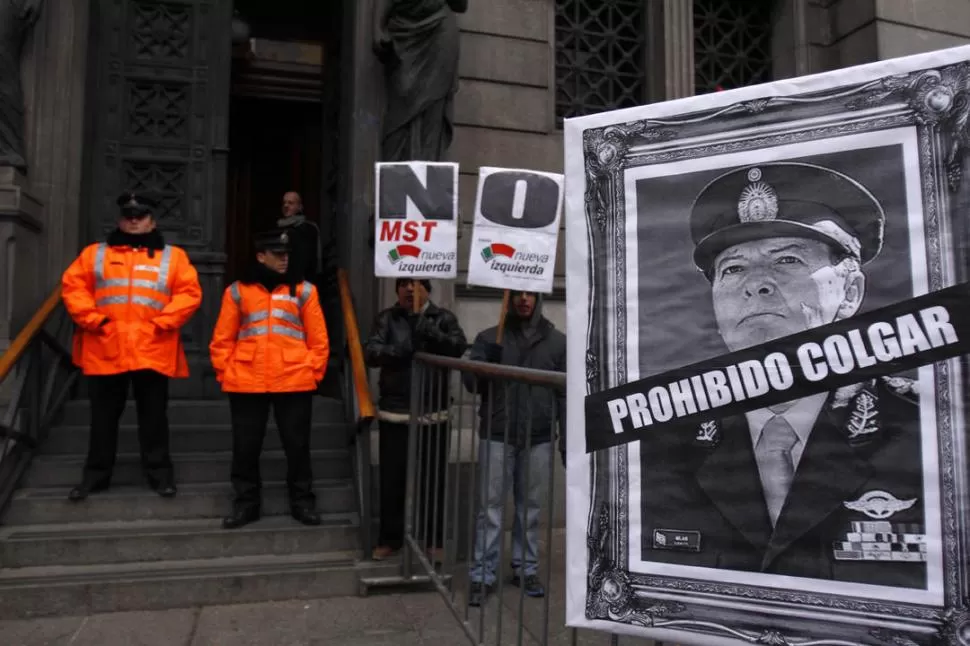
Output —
<point x="801" y="416"/>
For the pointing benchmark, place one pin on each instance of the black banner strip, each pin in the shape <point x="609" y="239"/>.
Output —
<point x="889" y="340"/>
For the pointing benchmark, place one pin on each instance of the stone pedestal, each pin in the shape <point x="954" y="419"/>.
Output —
<point x="21" y="292"/>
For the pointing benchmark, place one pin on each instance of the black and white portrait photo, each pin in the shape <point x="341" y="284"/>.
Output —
<point x="767" y="410"/>
<point x="773" y="249"/>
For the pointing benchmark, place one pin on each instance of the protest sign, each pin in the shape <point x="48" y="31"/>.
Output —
<point x="416" y="228"/>
<point x="767" y="395"/>
<point x="516" y="229"/>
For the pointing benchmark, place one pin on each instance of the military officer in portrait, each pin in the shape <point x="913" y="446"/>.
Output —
<point x="826" y="487"/>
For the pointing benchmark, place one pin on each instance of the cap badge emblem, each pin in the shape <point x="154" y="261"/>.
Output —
<point x="879" y="505"/>
<point x="284" y="238"/>
<point x="758" y="201"/>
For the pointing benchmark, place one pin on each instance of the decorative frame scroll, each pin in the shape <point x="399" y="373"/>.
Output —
<point x="934" y="101"/>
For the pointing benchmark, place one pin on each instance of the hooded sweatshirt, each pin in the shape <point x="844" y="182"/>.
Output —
<point x="528" y="410"/>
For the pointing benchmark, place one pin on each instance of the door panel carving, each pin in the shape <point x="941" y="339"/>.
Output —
<point x="159" y="108"/>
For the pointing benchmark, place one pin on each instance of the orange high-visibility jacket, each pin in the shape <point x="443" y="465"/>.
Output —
<point x="270" y="342"/>
<point x="146" y="299"/>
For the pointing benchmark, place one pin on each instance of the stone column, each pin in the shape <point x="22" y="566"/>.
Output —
<point x="21" y="245"/>
<point x="678" y="48"/>
<point x="54" y="88"/>
<point x="360" y="119"/>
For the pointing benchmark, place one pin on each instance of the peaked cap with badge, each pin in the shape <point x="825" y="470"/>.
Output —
<point x="272" y="240"/>
<point x="790" y="200"/>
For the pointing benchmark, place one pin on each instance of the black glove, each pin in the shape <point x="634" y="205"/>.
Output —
<point x="492" y="352"/>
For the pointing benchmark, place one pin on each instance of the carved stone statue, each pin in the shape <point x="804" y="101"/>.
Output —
<point x="417" y="41"/>
<point x="16" y="19"/>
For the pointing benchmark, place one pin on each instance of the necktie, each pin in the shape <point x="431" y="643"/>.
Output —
<point x="775" y="464"/>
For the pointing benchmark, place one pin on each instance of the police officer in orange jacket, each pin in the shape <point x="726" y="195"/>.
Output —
<point x="129" y="297"/>
<point x="270" y="348"/>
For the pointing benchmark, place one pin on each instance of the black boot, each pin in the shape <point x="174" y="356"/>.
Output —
<point x="240" y="516"/>
<point x="84" y="489"/>
<point x="164" y="487"/>
<point x="306" y="515"/>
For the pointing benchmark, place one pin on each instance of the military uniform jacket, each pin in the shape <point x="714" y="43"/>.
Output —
<point x="703" y="504"/>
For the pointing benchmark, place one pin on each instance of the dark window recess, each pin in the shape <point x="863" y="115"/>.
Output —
<point x="732" y="43"/>
<point x="599" y="56"/>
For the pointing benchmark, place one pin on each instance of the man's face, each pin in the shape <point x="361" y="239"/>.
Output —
<point x="292" y="204"/>
<point x="405" y="293"/>
<point x="277" y="261"/>
<point x="524" y="304"/>
<point x="137" y="223"/>
<point x="767" y="289"/>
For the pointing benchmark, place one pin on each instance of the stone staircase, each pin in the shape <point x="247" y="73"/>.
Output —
<point x="129" y="549"/>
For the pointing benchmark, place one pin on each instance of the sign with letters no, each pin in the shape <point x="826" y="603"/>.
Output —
<point x="516" y="229"/>
<point x="416" y="228"/>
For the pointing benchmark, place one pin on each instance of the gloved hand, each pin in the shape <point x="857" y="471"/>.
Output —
<point x="492" y="352"/>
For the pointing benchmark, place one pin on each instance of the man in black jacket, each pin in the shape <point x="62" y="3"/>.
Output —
<point x="397" y="334"/>
<point x="516" y="431"/>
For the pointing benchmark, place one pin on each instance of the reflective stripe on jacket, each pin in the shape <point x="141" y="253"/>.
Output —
<point x="269" y="342"/>
<point x="147" y="299"/>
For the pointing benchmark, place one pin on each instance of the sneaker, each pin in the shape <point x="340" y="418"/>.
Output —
<point x="383" y="552"/>
<point x="532" y="586"/>
<point x="477" y="594"/>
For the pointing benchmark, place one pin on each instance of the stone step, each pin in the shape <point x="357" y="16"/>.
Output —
<point x="193" y="438"/>
<point x="197" y="411"/>
<point x="211" y="500"/>
<point x="152" y="540"/>
<point x="87" y="589"/>
<point x="190" y="468"/>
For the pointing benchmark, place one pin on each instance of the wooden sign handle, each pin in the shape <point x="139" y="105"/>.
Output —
<point x="501" y="317"/>
<point x="419" y="296"/>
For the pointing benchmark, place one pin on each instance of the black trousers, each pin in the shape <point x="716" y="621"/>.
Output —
<point x="108" y="395"/>
<point x="429" y="517"/>
<point x="250" y="413"/>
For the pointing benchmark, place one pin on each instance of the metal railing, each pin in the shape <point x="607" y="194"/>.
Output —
<point x="36" y="380"/>
<point x="461" y="470"/>
<point x="358" y="408"/>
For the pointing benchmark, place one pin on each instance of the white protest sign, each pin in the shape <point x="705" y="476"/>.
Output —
<point x="416" y="228"/>
<point x="516" y="229"/>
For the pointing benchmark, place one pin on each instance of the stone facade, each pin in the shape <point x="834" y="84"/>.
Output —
<point x="505" y="116"/>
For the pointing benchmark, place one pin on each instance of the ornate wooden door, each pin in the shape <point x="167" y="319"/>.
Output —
<point x="159" y="107"/>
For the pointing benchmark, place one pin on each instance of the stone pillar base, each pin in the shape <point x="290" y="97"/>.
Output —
<point x="21" y="290"/>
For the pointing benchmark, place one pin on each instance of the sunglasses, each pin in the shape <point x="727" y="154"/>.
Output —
<point x="135" y="213"/>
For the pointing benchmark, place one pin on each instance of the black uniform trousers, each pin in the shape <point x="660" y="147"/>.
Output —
<point x="250" y="413"/>
<point x="429" y="503"/>
<point x="108" y="394"/>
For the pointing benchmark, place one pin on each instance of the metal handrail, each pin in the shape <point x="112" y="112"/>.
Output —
<point x="38" y="376"/>
<point x="359" y="408"/>
<point x="496" y="371"/>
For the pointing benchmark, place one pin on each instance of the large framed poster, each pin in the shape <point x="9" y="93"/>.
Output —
<point x="769" y="333"/>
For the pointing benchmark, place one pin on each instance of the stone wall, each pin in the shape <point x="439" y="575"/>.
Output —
<point x="504" y="116"/>
<point x="40" y="212"/>
<point x="852" y="32"/>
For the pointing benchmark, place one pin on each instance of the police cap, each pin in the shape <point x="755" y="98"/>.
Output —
<point x="272" y="240"/>
<point x="785" y="200"/>
<point x="135" y="203"/>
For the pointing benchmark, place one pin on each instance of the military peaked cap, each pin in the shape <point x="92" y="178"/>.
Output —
<point x="786" y="200"/>
<point x="272" y="240"/>
<point x="135" y="203"/>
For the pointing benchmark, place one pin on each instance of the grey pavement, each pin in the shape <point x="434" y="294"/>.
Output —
<point x="399" y="619"/>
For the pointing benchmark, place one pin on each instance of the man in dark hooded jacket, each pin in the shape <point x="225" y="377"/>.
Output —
<point x="516" y="431"/>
